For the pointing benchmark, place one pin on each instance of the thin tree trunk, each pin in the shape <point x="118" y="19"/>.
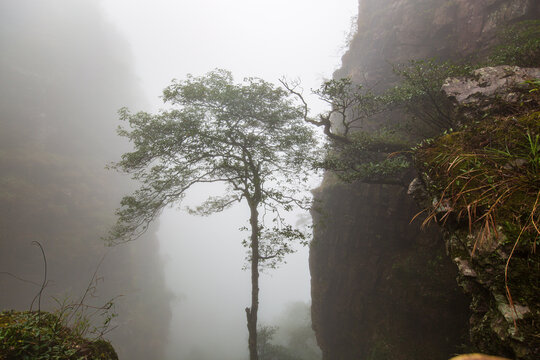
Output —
<point x="251" y="313"/>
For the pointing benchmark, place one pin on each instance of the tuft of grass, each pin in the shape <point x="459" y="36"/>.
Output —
<point x="487" y="173"/>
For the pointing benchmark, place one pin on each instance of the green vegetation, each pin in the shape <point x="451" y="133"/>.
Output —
<point x="488" y="173"/>
<point x="486" y="177"/>
<point x="292" y="337"/>
<point x="297" y="348"/>
<point x="249" y="137"/>
<point x="519" y="45"/>
<point x="269" y="351"/>
<point x="45" y="336"/>
<point x="369" y="136"/>
<point x="419" y="92"/>
<point x="356" y="146"/>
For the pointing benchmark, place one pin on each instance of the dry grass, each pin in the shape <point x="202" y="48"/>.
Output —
<point x="488" y="174"/>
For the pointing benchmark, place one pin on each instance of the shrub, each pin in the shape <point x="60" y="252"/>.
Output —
<point x="519" y="45"/>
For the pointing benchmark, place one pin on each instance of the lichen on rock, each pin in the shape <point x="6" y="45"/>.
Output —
<point x="487" y="83"/>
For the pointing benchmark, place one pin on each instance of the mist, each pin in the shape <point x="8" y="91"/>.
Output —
<point x="66" y="68"/>
<point x="65" y="71"/>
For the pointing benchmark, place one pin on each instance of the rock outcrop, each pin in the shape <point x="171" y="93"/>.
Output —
<point x="500" y="270"/>
<point x="489" y="84"/>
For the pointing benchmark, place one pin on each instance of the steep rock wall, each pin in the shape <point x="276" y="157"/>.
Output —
<point x="395" y="31"/>
<point x="381" y="288"/>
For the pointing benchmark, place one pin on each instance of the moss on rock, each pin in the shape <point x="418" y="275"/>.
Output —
<point x="42" y="335"/>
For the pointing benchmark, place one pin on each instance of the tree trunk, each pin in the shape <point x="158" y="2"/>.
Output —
<point x="251" y="313"/>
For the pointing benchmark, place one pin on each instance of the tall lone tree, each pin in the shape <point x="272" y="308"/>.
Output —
<point x="249" y="136"/>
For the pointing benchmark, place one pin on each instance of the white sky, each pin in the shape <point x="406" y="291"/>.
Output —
<point x="263" y="38"/>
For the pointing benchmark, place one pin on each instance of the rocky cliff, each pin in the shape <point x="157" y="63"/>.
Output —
<point x="391" y="32"/>
<point x="381" y="287"/>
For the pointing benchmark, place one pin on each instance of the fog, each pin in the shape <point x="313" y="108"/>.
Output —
<point x="64" y="73"/>
<point x="67" y="66"/>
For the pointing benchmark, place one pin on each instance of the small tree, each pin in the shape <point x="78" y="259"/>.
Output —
<point x="248" y="136"/>
<point x="358" y="148"/>
<point x="371" y="133"/>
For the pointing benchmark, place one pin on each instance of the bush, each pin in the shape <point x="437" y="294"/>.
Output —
<point x="519" y="45"/>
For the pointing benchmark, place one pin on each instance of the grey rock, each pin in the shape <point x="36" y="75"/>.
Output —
<point x="465" y="268"/>
<point x="417" y="190"/>
<point x="510" y="312"/>
<point x="488" y="83"/>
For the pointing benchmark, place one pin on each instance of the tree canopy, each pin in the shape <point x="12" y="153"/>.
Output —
<point x="250" y="136"/>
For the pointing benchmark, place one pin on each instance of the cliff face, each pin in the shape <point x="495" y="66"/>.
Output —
<point x="381" y="287"/>
<point x="395" y="31"/>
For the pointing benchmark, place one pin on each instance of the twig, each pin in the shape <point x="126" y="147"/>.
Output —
<point x="19" y="278"/>
<point x="44" y="284"/>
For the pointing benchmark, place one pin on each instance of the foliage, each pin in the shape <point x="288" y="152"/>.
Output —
<point x="351" y="105"/>
<point x="355" y="150"/>
<point x="294" y="332"/>
<point x="44" y="336"/>
<point x="81" y="317"/>
<point x="365" y="143"/>
<point x="248" y="136"/>
<point x="419" y="91"/>
<point x="368" y="158"/>
<point x="519" y="44"/>
<point x="58" y="334"/>
<point x="351" y="33"/>
<point x="354" y="108"/>
<point x="269" y="351"/>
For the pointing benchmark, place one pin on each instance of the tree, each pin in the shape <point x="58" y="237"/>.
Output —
<point x="359" y="145"/>
<point x="249" y="136"/>
<point x="371" y="133"/>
